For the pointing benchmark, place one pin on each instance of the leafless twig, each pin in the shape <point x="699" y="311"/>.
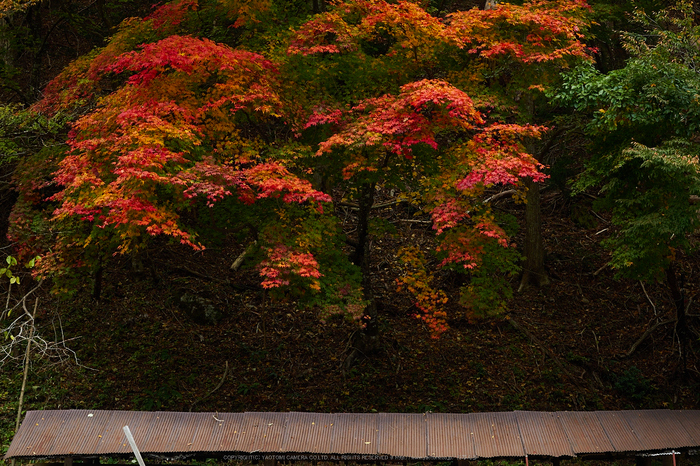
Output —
<point x="648" y="298"/>
<point x="22" y="330"/>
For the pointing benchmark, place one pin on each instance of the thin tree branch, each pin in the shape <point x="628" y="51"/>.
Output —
<point x="648" y="298"/>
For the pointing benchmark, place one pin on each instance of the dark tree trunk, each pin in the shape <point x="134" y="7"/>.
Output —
<point x="106" y="23"/>
<point x="682" y="330"/>
<point x="97" y="281"/>
<point x="5" y="44"/>
<point x="34" y="22"/>
<point x="366" y="340"/>
<point x="534" y="272"/>
<point x="318" y="6"/>
<point x="533" y="267"/>
<point x="365" y="202"/>
<point x="362" y="258"/>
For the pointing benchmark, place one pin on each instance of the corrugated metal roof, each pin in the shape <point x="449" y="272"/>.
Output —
<point x="231" y="429"/>
<point x="355" y="434"/>
<point x="691" y="423"/>
<point x="585" y="432"/>
<point x="451" y="436"/>
<point x="656" y="426"/>
<point x="90" y="433"/>
<point x="403" y="435"/>
<point x="543" y="434"/>
<point x="499" y="436"/>
<point x="620" y="433"/>
<point x="309" y="433"/>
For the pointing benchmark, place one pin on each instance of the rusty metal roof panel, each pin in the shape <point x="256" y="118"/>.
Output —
<point x="164" y="432"/>
<point x="690" y="420"/>
<point x="450" y="436"/>
<point x="33" y="434"/>
<point x="261" y="432"/>
<point x="89" y="427"/>
<point x="209" y="435"/>
<point x="403" y="435"/>
<point x="140" y="426"/>
<point x="216" y="440"/>
<point x="56" y="443"/>
<point x="37" y="433"/>
<point x="658" y="429"/>
<point x="543" y="434"/>
<point x="210" y="438"/>
<point x="79" y="431"/>
<point x="497" y="435"/>
<point x="187" y="431"/>
<point x="230" y="431"/>
<point x="620" y="433"/>
<point x="356" y="434"/>
<point x="415" y="436"/>
<point x="112" y="438"/>
<point x="309" y="433"/>
<point x="585" y="432"/>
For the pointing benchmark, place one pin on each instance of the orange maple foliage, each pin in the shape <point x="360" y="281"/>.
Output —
<point x="403" y="32"/>
<point x="537" y="31"/>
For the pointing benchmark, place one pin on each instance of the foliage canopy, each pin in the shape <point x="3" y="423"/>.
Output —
<point x="645" y="119"/>
<point x="170" y="126"/>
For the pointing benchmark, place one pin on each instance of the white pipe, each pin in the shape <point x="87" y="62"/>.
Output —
<point x="132" y="442"/>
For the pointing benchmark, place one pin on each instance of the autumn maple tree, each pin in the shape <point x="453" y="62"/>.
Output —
<point x="169" y="135"/>
<point x="172" y="128"/>
<point x="430" y="136"/>
<point x="397" y="133"/>
<point x="522" y="50"/>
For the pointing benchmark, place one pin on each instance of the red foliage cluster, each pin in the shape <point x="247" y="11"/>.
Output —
<point x="282" y="263"/>
<point x="398" y="123"/>
<point x="502" y="159"/>
<point x="152" y="133"/>
<point x="171" y="14"/>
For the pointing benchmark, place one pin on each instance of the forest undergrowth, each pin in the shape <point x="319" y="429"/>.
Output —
<point x="564" y="347"/>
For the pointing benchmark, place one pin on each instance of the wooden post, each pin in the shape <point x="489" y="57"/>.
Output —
<point x="671" y="460"/>
<point x="26" y="364"/>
